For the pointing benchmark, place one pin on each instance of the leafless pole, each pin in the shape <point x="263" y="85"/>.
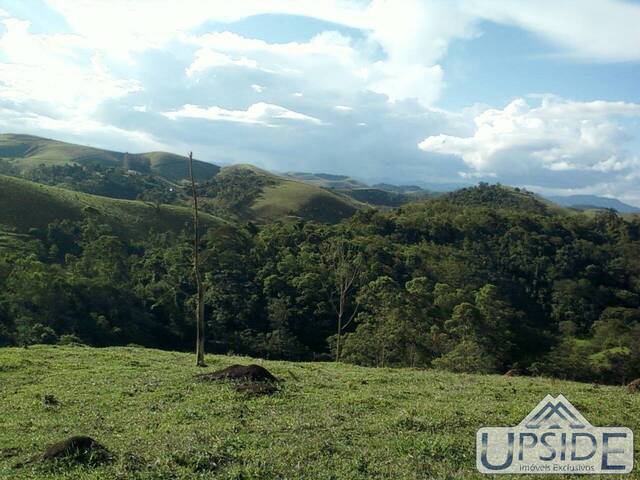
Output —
<point x="196" y="271"/>
<point x="347" y="266"/>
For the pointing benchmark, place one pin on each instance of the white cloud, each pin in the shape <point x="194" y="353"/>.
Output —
<point x="122" y="26"/>
<point x="206" y="59"/>
<point x="258" y="88"/>
<point x="556" y="135"/>
<point x="78" y="129"/>
<point x="343" y="108"/>
<point x="604" y="30"/>
<point x="56" y="70"/>
<point x="413" y="34"/>
<point x="258" y="113"/>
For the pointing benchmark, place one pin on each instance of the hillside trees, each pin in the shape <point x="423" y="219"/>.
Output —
<point x="437" y="284"/>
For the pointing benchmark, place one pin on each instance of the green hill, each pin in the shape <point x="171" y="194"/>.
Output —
<point x="500" y="196"/>
<point x="326" y="421"/>
<point x="257" y="195"/>
<point x="25" y="152"/>
<point x="25" y="205"/>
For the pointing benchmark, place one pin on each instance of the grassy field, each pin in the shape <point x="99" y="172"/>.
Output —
<point x="25" y="205"/>
<point x="328" y="421"/>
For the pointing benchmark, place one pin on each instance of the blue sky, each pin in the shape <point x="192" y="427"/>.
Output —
<point x="538" y="94"/>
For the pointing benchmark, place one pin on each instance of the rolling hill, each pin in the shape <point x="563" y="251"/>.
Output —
<point x="26" y="152"/>
<point x="501" y="196"/>
<point x="25" y="205"/>
<point x="257" y="195"/>
<point x="262" y="198"/>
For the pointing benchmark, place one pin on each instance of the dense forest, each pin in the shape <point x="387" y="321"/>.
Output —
<point x="486" y="279"/>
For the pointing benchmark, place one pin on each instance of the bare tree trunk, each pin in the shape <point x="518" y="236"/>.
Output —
<point x="339" y="339"/>
<point x="347" y="266"/>
<point x="196" y="271"/>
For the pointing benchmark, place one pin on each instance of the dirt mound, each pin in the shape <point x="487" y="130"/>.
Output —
<point x="254" y="373"/>
<point x="80" y="449"/>
<point x="634" y="387"/>
<point x="256" y="389"/>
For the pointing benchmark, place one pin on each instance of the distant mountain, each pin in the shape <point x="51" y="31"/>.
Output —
<point x="588" y="202"/>
<point x="379" y="195"/>
<point x="325" y="180"/>
<point x="400" y="188"/>
<point x="25" y="152"/>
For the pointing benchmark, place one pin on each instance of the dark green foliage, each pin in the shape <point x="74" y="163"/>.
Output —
<point x="233" y="191"/>
<point x="448" y="283"/>
<point x="113" y="182"/>
<point x="497" y="196"/>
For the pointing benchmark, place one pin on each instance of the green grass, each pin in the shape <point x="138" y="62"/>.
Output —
<point x="26" y="205"/>
<point x="297" y="199"/>
<point x="328" y="421"/>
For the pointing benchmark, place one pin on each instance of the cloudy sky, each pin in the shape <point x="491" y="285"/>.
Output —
<point x="543" y="94"/>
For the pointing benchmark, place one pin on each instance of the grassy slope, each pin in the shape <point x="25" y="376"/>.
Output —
<point x="27" y="151"/>
<point x="328" y="421"/>
<point x="297" y="199"/>
<point x="25" y="205"/>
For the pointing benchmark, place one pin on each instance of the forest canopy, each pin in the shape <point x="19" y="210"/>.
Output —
<point x="470" y="282"/>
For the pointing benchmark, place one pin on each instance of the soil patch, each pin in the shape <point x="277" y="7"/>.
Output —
<point x="79" y="449"/>
<point x="256" y="389"/>
<point x="253" y="373"/>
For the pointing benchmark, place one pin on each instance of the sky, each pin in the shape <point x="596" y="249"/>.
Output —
<point x="543" y="95"/>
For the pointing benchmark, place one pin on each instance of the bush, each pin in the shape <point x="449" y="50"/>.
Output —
<point x="467" y="357"/>
<point x="70" y="339"/>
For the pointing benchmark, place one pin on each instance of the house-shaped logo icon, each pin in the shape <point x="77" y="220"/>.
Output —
<point x="555" y="413"/>
<point x="554" y="438"/>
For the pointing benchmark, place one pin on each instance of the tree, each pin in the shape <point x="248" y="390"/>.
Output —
<point x="196" y="272"/>
<point x="345" y="264"/>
